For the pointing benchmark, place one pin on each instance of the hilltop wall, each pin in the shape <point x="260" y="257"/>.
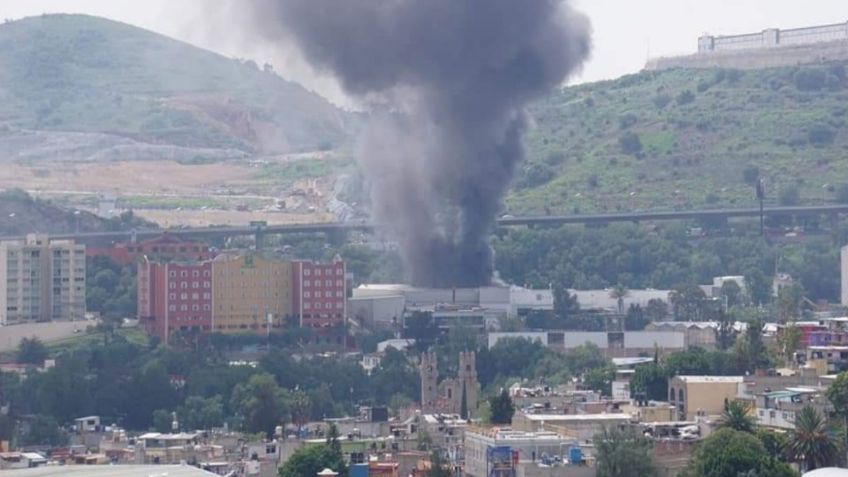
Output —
<point x="793" y="55"/>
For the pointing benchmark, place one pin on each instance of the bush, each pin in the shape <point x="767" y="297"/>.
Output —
<point x="630" y="143"/>
<point x="685" y="97"/>
<point x="593" y="181"/>
<point x="535" y="174"/>
<point x="751" y="174"/>
<point x="627" y="120"/>
<point x="842" y="193"/>
<point x="790" y="195"/>
<point x="821" y="135"/>
<point x="555" y="158"/>
<point x="661" y="100"/>
<point x="810" y="79"/>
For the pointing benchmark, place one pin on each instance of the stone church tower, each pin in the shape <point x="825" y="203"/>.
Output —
<point x="429" y="372"/>
<point x="467" y="380"/>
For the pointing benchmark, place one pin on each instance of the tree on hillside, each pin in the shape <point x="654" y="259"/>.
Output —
<point x="737" y="416"/>
<point x="689" y="303"/>
<point x="731" y="294"/>
<point x="630" y="143"/>
<point x="261" y="403"/>
<point x="201" y="413"/>
<point x="837" y="394"/>
<point x="811" y="442"/>
<point x="309" y="461"/>
<point x="731" y="453"/>
<point x="31" y="351"/>
<point x="44" y="431"/>
<point x="788" y="341"/>
<point x="623" y="453"/>
<point x="656" y="310"/>
<point x="438" y="466"/>
<point x="501" y="408"/>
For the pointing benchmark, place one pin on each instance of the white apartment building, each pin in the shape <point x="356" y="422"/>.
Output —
<point x="41" y="280"/>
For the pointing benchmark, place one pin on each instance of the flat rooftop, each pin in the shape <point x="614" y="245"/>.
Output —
<point x="579" y="417"/>
<point x="109" y="471"/>
<point x="710" y="379"/>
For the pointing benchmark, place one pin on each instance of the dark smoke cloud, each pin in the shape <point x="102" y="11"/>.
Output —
<point x="452" y="78"/>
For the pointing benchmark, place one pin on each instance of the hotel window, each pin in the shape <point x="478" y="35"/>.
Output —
<point x="172" y="285"/>
<point x="173" y="273"/>
<point x="318" y="272"/>
<point x="318" y="305"/>
<point x="307" y="272"/>
<point x="184" y="285"/>
<point x="307" y="283"/>
<point x="339" y="294"/>
<point x="317" y="294"/>
<point x="172" y="308"/>
<point x="172" y="296"/>
<point x="184" y="273"/>
<point x="306" y="294"/>
<point x="183" y="307"/>
<point x="328" y="283"/>
<point x="339" y="271"/>
<point x="183" y="296"/>
<point x="195" y="273"/>
<point x="207" y="284"/>
<point x="307" y="305"/>
<point x="339" y="283"/>
<point x="339" y="305"/>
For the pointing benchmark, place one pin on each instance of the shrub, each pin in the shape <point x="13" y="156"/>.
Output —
<point x="661" y="100"/>
<point x="630" y="143"/>
<point x="555" y="158"/>
<point x="842" y="193"/>
<point x="593" y="181"/>
<point x="810" y="79"/>
<point x="751" y="174"/>
<point x="821" y="135"/>
<point x="685" y="97"/>
<point x="535" y="174"/>
<point x="790" y="195"/>
<point x="627" y="120"/>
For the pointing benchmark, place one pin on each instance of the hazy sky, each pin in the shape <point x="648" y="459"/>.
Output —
<point x="626" y="32"/>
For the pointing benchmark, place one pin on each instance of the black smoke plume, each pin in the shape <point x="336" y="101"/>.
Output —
<point x="452" y="78"/>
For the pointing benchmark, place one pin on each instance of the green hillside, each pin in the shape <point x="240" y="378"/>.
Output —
<point x="86" y="74"/>
<point x="682" y="139"/>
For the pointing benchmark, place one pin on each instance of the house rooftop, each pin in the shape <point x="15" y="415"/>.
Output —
<point x="579" y="417"/>
<point x="710" y="379"/>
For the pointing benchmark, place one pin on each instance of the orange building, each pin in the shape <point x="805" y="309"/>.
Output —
<point x="251" y="294"/>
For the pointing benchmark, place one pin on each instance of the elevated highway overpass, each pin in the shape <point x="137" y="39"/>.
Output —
<point x="261" y="229"/>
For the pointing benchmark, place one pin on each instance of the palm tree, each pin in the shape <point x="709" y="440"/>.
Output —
<point x="618" y="293"/>
<point x="811" y="441"/>
<point x="737" y="416"/>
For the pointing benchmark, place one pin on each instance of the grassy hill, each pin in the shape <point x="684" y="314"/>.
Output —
<point x="681" y="139"/>
<point x="21" y="214"/>
<point x="82" y="74"/>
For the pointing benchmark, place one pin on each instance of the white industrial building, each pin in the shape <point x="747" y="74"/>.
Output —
<point x="620" y="344"/>
<point x="604" y="299"/>
<point x="385" y="304"/>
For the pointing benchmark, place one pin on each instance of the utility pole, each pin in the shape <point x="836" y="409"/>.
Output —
<point x="761" y="195"/>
